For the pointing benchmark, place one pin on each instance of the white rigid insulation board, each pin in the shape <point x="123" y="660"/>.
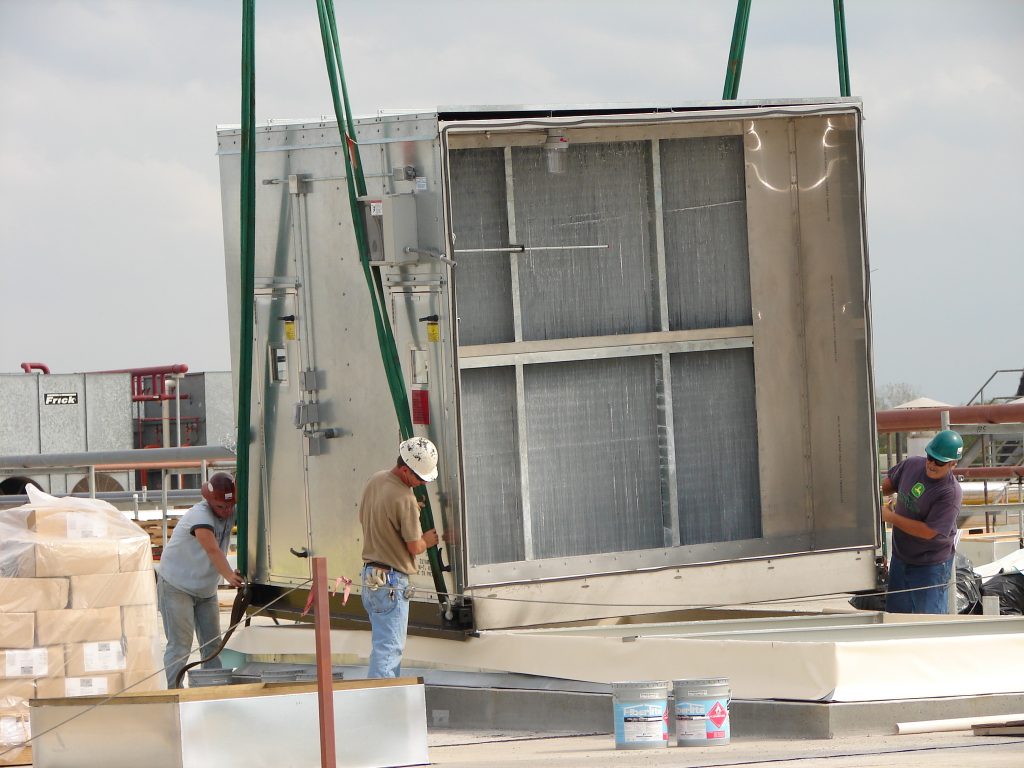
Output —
<point x="901" y="660"/>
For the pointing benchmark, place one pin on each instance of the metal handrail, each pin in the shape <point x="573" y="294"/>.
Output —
<point x="981" y="391"/>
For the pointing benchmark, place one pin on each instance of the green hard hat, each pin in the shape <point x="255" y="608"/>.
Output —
<point x="947" y="445"/>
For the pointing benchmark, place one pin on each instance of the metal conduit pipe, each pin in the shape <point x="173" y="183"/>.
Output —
<point x="128" y="455"/>
<point x="909" y="419"/>
<point x="126" y="501"/>
<point x="41" y="367"/>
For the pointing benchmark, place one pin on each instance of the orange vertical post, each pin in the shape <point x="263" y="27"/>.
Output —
<point x="324" y="676"/>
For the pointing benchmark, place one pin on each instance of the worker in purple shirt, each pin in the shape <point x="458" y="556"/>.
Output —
<point x="923" y="516"/>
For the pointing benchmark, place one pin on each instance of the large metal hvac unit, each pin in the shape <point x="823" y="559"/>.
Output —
<point x="66" y="413"/>
<point x="648" y="371"/>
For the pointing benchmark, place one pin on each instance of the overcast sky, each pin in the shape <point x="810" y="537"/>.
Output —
<point x="110" y="219"/>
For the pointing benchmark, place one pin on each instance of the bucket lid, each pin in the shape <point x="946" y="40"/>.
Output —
<point x="628" y="684"/>
<point x="701" y="682"/>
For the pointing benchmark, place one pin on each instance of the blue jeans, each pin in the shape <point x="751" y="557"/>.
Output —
<point x="904" y="576"/>
<point x="388" y="609"/>
<point x="185" y="615"/>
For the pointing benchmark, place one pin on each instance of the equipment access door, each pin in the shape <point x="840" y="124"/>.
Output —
<point x="282" y="462"/>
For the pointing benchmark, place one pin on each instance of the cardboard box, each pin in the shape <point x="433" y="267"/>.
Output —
<point x="116" y="589"/>
<point x="17" y="630"/>
<point x="135" y="554"/>
<point x="144" y="654"/>
<point x="73" y="557"/>
<point x="140" y="621"/>
<point x="18" y="689"/>
<point x="78" y="625"/>
<point x="18" y="557"/>
<point x="91" y="659"/>
<point x="139" y="680"/>
<point x="17" y="755"/>
<point x="69" y="524"/>
<point x="23" y="595"/>
<point x="68" y="687"/>
<point x="31" y="662"/>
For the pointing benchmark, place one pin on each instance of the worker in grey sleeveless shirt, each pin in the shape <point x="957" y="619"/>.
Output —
<point x="191" y="567"/>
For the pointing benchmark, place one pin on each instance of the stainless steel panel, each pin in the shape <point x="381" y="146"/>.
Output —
<point x="834" y="272"/>
<point x="219" y="409"/>
<point x="281" y="446"/>
<point x="207" y="409"/>
<point x="62" y="426"/>
<point x="638" y="582"/>
<point x="779" y="354"/>
<point x="306" y="247"/>
<point x="19" y="404"/>
<point x="109" y="736"/>
<point x="373" y="728"/>
<point x="108" y="411"/>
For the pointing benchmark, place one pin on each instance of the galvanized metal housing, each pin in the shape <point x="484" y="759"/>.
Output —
<point x="648" y="370"/>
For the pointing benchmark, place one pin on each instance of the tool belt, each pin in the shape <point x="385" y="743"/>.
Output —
<point x="378" y="575"/>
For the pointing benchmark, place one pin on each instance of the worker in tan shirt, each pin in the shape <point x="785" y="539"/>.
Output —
<point x="392" y="537"/>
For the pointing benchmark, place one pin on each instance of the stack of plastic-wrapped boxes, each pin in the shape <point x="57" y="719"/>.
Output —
<point x="78" y="612"/>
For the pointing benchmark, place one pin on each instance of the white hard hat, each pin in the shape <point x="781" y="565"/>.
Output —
<point x="420" y="456"/>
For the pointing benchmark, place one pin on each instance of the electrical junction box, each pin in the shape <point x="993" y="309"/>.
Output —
<point x="390" y="227"/>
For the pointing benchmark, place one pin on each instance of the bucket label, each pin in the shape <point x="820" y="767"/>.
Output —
<point x="702" y="721"/>
<point x="641" y="723"/>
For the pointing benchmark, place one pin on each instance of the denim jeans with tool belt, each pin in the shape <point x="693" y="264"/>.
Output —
<point x="386" y="600"/>
<point x="918" y="588"/>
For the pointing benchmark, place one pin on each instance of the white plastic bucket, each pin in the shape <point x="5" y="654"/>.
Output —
<point x="702" y="712"/>
<point x="641" y="714"/>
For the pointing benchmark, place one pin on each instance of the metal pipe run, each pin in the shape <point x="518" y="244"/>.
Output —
<point x="908" y="419"/>
<point x="41" y="367"/>
<point x="989" y="473"/>
<point x="190" y="495"/>
<point x="136" y="456"/>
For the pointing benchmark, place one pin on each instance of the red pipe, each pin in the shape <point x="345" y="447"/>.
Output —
<point x="28" y="367"/>
<point x="155" y="369"/>
<point x="989" y="473"/>
<point x="909" y="419"/>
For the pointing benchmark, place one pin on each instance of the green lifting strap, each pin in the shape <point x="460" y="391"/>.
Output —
<point x="356" y="184"/>
<point x="844" y="70"/>
<point x="734" y="67"/>
<point x="248" y="260"/>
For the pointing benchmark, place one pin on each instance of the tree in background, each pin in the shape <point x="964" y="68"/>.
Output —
<point x="894" y="393"/>
<point x="889" y="396"/>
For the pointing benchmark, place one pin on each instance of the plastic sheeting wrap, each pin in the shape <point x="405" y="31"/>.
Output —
<point x="77" y="603"/>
